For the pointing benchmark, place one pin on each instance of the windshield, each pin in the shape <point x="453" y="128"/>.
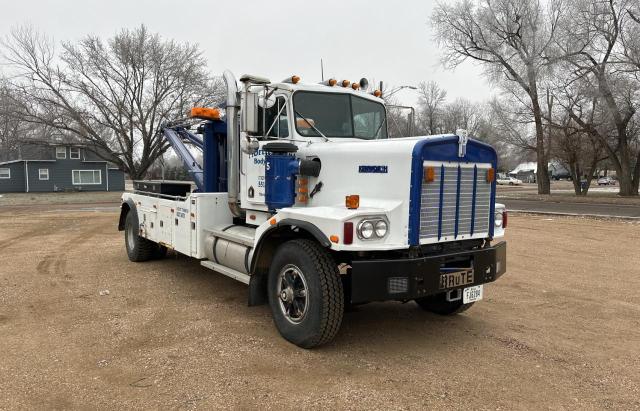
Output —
<point x="338" y="115"/>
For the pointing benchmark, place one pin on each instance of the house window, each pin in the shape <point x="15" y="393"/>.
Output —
<point x="74" y="153"/>
<point x="43" y="173"/>
<point x="61" y="153"/>
<point x="82" y="177"/>
<point x="5" y="173"/>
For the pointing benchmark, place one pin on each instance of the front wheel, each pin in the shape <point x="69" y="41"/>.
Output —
<point x="438" y="304"/>
<point x="305" y="293"/>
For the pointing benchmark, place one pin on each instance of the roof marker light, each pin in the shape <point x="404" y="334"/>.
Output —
<point x="355" y="86"/>
<point x="345" y="83"/>
<point x="377" y="93"/>
<point x="331" y="82"/>
<point x="293" y="80"/>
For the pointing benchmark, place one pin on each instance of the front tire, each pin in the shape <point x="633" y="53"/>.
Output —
<point x="305" y="293"/>
<point x="438" y="304"/>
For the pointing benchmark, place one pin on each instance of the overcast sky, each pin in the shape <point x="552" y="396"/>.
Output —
<point x="389" y="41"/>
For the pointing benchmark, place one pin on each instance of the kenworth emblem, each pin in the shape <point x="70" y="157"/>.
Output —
<point x="373" y="169"/>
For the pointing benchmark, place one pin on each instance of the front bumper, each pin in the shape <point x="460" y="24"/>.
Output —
<point x="407" y="279"/>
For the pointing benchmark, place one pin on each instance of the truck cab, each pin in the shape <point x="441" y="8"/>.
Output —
<point x="302" y="196"/>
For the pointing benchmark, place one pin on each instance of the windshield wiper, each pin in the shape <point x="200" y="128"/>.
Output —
<point x="310" y="124"/>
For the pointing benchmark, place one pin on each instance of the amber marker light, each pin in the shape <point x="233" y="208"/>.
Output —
<point x="352" y="201"/>
<point x="295" y="79"/>
<point x="205" y="113"/>
<point x="429" y="174"/>
<point x="334" y="239"/>
<point x="345" y="83"/>
<point x="355" y="86"/>
<point x="272" y="221"/>
<point x="377" y="93"/>
<point x="491" y="175"/>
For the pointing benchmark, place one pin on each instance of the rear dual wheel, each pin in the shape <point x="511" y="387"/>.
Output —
<point x="305" y="293"/>
<point x="139" y="248"/>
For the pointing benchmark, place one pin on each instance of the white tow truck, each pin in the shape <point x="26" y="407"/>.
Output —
<point x="303" y="197"/>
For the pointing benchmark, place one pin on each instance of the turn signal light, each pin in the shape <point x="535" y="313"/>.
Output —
<point x="334" y="239"/>
<point x="377" y="93"/>
<point x="345" y="83"/>
<point x="352" y="201"/>
<point x="429" y="174"/>
<point x="347" y="236"/>
<point x="205" y="113"/>
<point x="491" y="175"/>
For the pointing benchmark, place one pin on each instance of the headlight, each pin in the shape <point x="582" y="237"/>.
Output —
<point x="381" y="228"/>
<point x="498" y="218"/>
<point x="366" y="229"/>
<point x="372" y="228"/>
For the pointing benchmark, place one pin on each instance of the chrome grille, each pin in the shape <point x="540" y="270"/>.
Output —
<point x="460" y="217"/>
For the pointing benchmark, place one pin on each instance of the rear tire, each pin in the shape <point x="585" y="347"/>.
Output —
<point x="438" y="304"/>
<point x="305" y="293"/>
<point x="138" y="248"/>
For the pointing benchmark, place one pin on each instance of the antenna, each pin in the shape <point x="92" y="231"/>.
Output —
<point x="321" y="69"/>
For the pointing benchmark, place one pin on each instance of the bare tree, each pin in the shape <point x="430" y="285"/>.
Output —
<point x="579" y="151"/>
<point x="461" y="113"/>
<point x="510" y="38"/>
<point x="592" y="49"/>
<point x="431" y="99"/>
<point x="113" y="94"/>
<point x="11" y="128"/>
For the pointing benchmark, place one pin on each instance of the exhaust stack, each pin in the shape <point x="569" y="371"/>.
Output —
<point x="233" y="144"/>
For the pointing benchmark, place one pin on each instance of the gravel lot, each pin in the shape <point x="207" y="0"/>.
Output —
<point x="560" y="330"/>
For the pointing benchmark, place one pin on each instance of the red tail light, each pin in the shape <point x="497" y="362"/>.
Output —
<point x="504" y="219"/>
<point x="347" y="236"/>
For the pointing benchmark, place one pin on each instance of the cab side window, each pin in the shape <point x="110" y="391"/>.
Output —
<point x="277" y="124"/>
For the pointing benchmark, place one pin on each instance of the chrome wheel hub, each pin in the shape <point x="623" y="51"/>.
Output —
<point x="292" y="293"/>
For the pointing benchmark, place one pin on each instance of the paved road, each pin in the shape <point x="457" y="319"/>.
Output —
<point x="594" y="209"/>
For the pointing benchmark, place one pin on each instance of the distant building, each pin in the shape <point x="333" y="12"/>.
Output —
<point x="527" y="171"/>
<point x="58" y="167"/>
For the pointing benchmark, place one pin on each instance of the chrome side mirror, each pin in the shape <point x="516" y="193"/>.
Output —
<point x="249" y="112"/>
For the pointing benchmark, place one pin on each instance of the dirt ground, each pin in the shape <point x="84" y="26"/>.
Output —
<point x="560" y="330"/>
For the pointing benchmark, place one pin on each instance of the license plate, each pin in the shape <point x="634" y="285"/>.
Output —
<point x="456" y="279"/>
<point x="471" y="294"/>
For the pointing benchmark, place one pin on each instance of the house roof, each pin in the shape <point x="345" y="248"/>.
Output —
<point x="523" y="167"/>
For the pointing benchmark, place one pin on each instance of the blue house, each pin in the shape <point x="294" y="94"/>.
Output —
<point x="58" y="167"/>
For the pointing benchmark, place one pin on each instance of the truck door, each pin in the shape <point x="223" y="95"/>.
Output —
<point x="274" y="123"/>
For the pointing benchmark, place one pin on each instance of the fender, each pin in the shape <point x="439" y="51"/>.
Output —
<point x="265" y="249"/>
<point x="126" y="207"/>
